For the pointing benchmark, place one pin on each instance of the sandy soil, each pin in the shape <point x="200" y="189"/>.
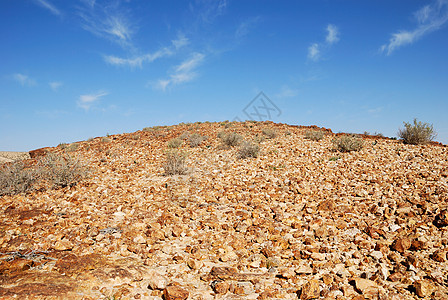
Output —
<point x="8" y="156"/>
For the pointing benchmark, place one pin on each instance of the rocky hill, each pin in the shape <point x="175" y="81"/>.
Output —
<point x="300" y="220"/>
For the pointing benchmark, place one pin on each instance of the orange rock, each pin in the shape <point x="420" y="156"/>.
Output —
<point x="173" y="292"/>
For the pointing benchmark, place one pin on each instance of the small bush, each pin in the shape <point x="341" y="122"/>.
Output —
<point x="105" y="139"/>
<point x="174" y="143"/>
<point x="230" y="139"/>
<point x="269" y="133"/>
<point x="248" y="149"/>
<point x="73" y="147"/>
<point x="61" y="171"/>
<point x="314" y="135"/>
<point x="175" y="163"/>
<point x="63" y="145"/>
<point x="347" y="143"/>
<point x="15" y="178"/>
<point x="417" y="133"/>
<point x="184" y="135"/>
<point x="196" y="139"/>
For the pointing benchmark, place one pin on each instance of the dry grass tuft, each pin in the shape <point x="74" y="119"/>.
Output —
<point x="15" y="178"/>
<point x="269" y="133"/>
<point x="248" y="149"/>
<point x="347" y="143"/>
<point x="61" y="171"/>
<point x="231" y="139"/>
<point x="174" y="143"/>
<point x="175" y="163"/>
<point x="314" y="135"/>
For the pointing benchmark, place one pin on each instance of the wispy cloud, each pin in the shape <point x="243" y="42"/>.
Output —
<point x="137" y="61"/>
<point x="245" y="27"/>
<point x="55" y="85"/>
<point x="24" y="80"/>
<point x="287" y="92"/>
<point x="208" y="10"/>
<point x="47" y="5"/>
<point x="314" y="52"/>
<point x="332" y="37"/>
<point x="183" y="73"/>
<point x="88" y="100"/>
<point x="429" y="18"/>
<point x="110" y="21"/>
<point x="332" y="34"/>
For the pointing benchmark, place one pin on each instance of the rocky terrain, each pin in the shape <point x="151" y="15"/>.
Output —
<point x="300" y="221"/>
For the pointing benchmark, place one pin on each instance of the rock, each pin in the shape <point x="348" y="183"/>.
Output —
<point x="304" y="269"/>
<point x="423" y="288"/>
<point x="439" y="255"/>
<point x="156" y="281"/>
<point x="310" y="290"/>
<point x="401" y="245"/>
<point x="174" y="292"/>
<point x="441" y="220"/>
<point x="367" y="288"/>
<point x="378" y="255"/>
<point x="220" y="287"/>
<point x="241" y="288"/>
<point x="63" y="245"/>
<point x="39" y="152"/>
<point x="139" y="239"/>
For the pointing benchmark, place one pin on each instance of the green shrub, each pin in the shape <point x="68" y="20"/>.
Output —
<point x="61" y="171"/>
<point x="248" y="149"/>
<point x="230" y="139"/>
<point x="417" y="133"/>
<point x="174" y="143"/>
<point x="314" y="135"/>
<point x="15" y="178"/>
<point x="347" y="143"/>
<point x="269" y="133"/>
<point x="175" y="163"/>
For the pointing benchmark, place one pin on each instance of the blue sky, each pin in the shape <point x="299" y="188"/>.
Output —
<point x="71" y="70"/>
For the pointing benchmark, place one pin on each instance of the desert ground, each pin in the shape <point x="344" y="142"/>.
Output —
<point x="8" y="156"/>
<point x="299" y="221"/>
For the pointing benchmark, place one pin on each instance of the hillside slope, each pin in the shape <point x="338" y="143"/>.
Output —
<point x="300" y="221"/>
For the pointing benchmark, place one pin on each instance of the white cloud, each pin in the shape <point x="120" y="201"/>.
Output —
<point x="316" y="49"/>
<point x="314" y="52"/>
<point x="332" y="34"/>
<point x="24" y="80"/>
<point x="184" y="72"/>
<point x="55" y="85"/>
<point x="208" y="10"/>
<point x="429" y="18"/>
<point x="180" y="42"/>
<point x="88" y="100"/>
<point x="287" y="92"/>
<point x="109" y="21"/>
<point x="47" y="4"/>
<point x="245" y="27"/>
<point x="137" y="61"/>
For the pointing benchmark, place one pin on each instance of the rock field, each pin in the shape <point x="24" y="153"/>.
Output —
<point x="300" y="221"/>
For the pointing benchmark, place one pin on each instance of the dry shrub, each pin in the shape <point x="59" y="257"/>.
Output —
<point x="196" y="139"/>
<point x="269" y="133"/>
<point x="61" y="171"/>
<point x="248" y="149"/>
<point x="417" y="133"/>
<point x="347" y="143"/>
<point x="174" y="143"/>
<point x="15" y="178"/>
<point x="175" y="163"/>
<point x="230" y="139"/>
<point x="314" y="135"/>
